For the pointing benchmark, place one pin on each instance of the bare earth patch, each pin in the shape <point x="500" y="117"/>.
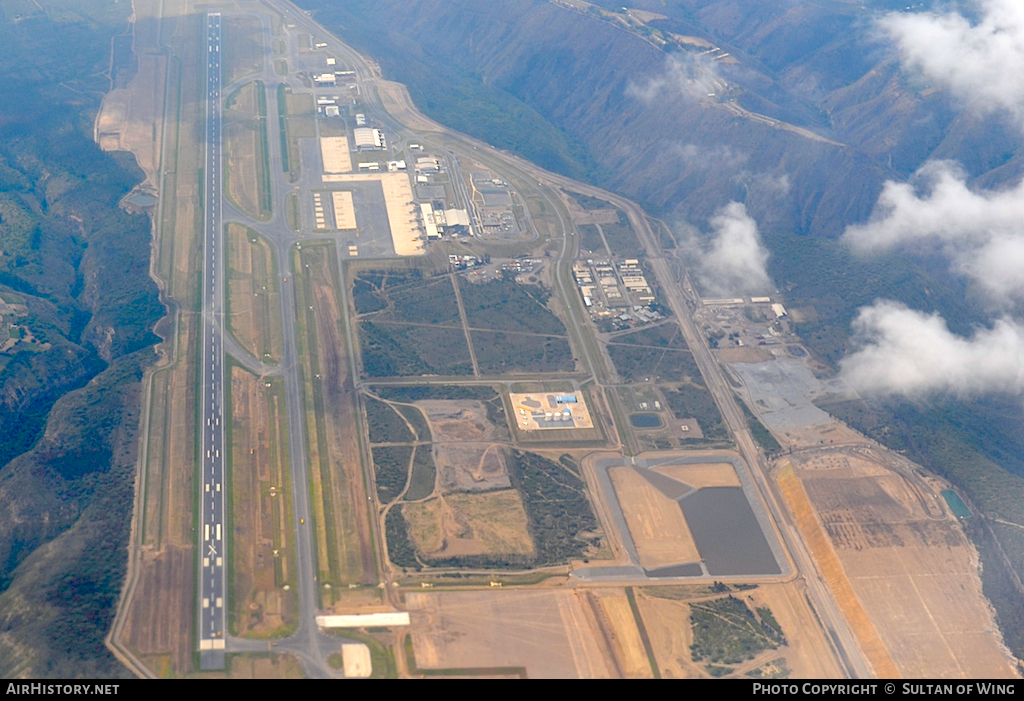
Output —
<point x="701" y="476"/>
<point x="656" y="523"/>
<point x="553" y="634"/>
<point x="471" y="467"/>
<point x="915" y="574"/>
<point x="746" y="354"/>
<point x="457" y="525"/>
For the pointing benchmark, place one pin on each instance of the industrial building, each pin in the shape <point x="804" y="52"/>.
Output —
<point x="368" y="139"/>
<point x="428" y="164"/>
<point x="325" y="80"/>
<point x="550" y="411"/>
<point x="427" y="211"/>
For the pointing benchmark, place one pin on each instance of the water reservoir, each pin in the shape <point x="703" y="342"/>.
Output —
<point x="645" y="420"/>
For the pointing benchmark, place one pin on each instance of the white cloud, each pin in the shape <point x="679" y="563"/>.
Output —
<point x="982" y="232"/>
<point x="905" y="352"/>
<point x="719" y="157"/>
<point x="688" y="75"/>
<point x="982" y="64"/>
<point x="734" y="262"/>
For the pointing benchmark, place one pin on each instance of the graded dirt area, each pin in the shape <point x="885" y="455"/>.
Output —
<point x="457" y="525"/>
<point x="457" y="420"/>
<point x="668" y="626"/>
<point x="702" y="475"/>
<point x="621" y="632"/>
<point x="871" y="644"/>
<point x="253" y="298"/>
<point x="339" y="500"/>
<point x="264" y="667"/>
<point x="808" y="653"/>
<point x="395" y="99"/>
<point x="466" y="460"/>
<point x="241" y="169"/>
<point x="666" y="616"/>
<point x="471" y="466"/>
<point x="165" y="586"/>
<point x="261" y="540"/>
<point x="608" y="215"/>
<point x="160" y="613"/>
<point x="744" y="355"/>
<point x="655" y="522"/>
<point x="914" y="573"/>
<point x="554" y="634"/>
<point x="131" y="116"/>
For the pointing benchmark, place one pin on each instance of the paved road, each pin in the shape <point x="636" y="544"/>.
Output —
<point x="212" y="599"/>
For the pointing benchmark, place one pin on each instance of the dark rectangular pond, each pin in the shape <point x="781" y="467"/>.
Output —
<point x="727" y="533"/>
<point x="645" y="420"/>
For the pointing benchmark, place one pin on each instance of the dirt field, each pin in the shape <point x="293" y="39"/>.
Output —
<point x="700" y="476"/>
<point x="666" y="615"/>
<point x="254" y="298"/>
<point x="465" y="457"/>
<point x="808" y="653"/>
<point x="471" y="466"/>
<point x="265" y="667"/>
<point x="553" y="634"/>
<point x="619" y="625"/>
<point x="345" y="551"/>
<point x="915" y="574"/>
<point x="159" y="616"/>
<point x="608" y="215"/>
<point x="817" y="541"/>
<point x="470" y="524"/>
<point x="668" y="626"/>
<point x="240" y="149"/>
<point x="655" y="522"/>
<point x="457" y="420"/>
<point x="396" y="101"/>
<point x="744" y="355"/>
<point x="243" y="47"/>
<point x="165" y="587"/>
<point x="261" y="541"/>
<point x="128" y="115"/>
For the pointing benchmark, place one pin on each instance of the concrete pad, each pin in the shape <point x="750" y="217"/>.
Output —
<point x="356" y="660"/>
<point x="335" y="153"/>
<point x="402" y="216"/>
<point x="363" y="620"/>
<point x="344" y="210"/>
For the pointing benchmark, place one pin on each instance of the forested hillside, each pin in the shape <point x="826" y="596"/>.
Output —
<point x="75" y="268"/>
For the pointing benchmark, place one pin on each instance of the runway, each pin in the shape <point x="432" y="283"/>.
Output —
<point x="212" y="599"/>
